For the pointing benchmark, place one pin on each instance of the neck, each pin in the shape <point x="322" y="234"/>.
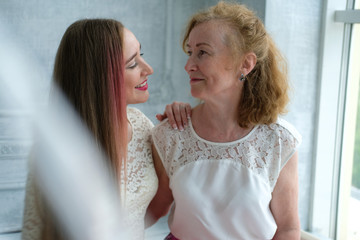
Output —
<point x="129" y="131"/>
<point x="221" y="119"/>
<point x="222" y="106"/>
<point x="217" y="115"/>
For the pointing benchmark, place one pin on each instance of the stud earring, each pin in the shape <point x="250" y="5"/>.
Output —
<point x="242" y="77"/>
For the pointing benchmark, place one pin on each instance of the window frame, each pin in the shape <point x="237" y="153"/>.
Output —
<point x="333" y="70"/>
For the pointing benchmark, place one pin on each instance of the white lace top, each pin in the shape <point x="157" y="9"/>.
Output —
<point x="223" y="190"/>
<point x="142" y="183"/>
<point x="142" y="179"/>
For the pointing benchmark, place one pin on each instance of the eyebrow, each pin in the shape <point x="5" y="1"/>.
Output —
<point x="199" y="44"/>
<point x="132" y="57"/>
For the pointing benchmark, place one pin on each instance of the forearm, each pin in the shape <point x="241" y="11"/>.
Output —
<point x="163" y="199"/>
<point x="154" y="212"/>
<point x="151" y="217"/>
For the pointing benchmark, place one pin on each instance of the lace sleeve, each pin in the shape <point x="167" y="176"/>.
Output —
<point x="32" y="222"/>
<point x="137" y="115"/>
<point x="290" y="138"/>
<point x="163" y="139"/>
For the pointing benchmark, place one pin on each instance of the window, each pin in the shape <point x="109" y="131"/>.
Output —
<point x="348" y="226"/>
<point x="333" y="205"/>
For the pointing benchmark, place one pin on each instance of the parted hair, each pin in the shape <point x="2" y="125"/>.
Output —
<point x="265" y="92"/>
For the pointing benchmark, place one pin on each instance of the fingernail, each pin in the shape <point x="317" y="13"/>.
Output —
<point x="188" y="116"/>
<point x="181" y="129"/>
<point x="174" y="126"/>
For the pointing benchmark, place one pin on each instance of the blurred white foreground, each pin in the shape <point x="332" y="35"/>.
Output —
<point x="70" y="168"/>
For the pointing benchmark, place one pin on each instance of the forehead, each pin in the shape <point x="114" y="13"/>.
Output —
<point x="131" y="44"/>
<point x="210" y="32"/>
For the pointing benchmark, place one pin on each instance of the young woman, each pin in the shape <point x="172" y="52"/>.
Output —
<point x="100" y="69"/>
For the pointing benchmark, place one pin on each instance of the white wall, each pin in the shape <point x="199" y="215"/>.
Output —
<point x="296" y="28"/>
<point x="37" y="26"/>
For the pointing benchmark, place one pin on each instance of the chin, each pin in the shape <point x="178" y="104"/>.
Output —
<point x="143" y="100"/>
<point x="195" y="93"/>
<point x="138" y="100"/>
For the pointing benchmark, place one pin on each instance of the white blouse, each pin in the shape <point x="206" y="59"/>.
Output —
<point x="223" y="190"/>
<point x="142" y="181"/>
<point x="141" y="187"/>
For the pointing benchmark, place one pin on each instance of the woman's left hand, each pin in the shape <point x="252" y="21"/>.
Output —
<point x="178" y="114"/>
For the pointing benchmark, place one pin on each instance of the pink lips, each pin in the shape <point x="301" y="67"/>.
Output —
<point x="143" y="86"/>
<point x="195" y="80"/>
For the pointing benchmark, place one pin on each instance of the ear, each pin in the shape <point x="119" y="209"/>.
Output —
<point x="248" y="63"/>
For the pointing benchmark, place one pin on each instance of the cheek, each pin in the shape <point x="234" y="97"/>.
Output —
<point x="131" y="79"/>
<point x="128" y="81"/>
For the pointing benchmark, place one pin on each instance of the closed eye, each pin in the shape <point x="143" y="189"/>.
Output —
<point x="201" y="53"/>
<point x="135" y="64"/>
<point x="132" y="66"/>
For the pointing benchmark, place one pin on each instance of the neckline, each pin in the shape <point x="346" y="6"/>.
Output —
<point x="221" y="143"/>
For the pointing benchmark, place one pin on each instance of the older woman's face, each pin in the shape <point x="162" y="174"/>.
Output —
<point x="136" y="70"/>
<point x="210" y="64"/>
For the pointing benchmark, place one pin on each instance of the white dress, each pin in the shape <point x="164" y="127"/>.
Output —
<point x="223" y="190"/>
<point x="142" y="183"/>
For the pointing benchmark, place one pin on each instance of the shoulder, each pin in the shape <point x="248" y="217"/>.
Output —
<point x="286" y="131"/>
<point x="282" y="123"/>
<point x="131" y="111"/>
<point x="163" y="129"/>
<point x="164" y="135"/>
<point x="280" y="141"/>
<point x="136" y="116"/>
<point x="289" y="130"/>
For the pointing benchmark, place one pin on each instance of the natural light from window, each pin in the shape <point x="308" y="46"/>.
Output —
<point x="354" y="205"/>
<point x="353" y="101"/>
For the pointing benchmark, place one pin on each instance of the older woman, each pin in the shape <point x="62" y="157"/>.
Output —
<point x="232" y="173"/>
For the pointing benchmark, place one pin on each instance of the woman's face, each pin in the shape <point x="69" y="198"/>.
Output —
<point x="136" y="70"/>
<point x="210" y="65"/>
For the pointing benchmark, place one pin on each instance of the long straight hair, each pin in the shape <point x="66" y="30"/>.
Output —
<point x="89" y="69"/>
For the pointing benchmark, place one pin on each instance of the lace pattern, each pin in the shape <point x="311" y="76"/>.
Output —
<point x="142" y="181"/>
<point x="265" y="150"/>
<point x="141" y="184"/>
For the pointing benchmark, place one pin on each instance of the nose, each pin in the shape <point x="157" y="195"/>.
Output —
<point x="190" y="65"/>
<point x="147" y="69"/>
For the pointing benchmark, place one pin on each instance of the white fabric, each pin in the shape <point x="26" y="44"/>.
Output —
<point x="142" y="183"/>
<point x="141" y="176"/>
<point x="223" y="190"/>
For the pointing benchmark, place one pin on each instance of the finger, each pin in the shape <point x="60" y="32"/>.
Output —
<point x="183" y="114"/>
<point x="160" y="117"/>
<point x="177" y="114"/>
<point x="170" y="116"/>
<point x="188" y="110"/>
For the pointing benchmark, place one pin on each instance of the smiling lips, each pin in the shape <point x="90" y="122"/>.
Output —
<point x="143" y="86"/>
<point x="195" y="80"/>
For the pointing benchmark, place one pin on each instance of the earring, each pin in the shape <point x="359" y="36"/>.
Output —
<point x="242" y="77"/>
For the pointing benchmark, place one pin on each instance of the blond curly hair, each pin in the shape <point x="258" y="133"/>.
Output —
<point x="265" y="92"/>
